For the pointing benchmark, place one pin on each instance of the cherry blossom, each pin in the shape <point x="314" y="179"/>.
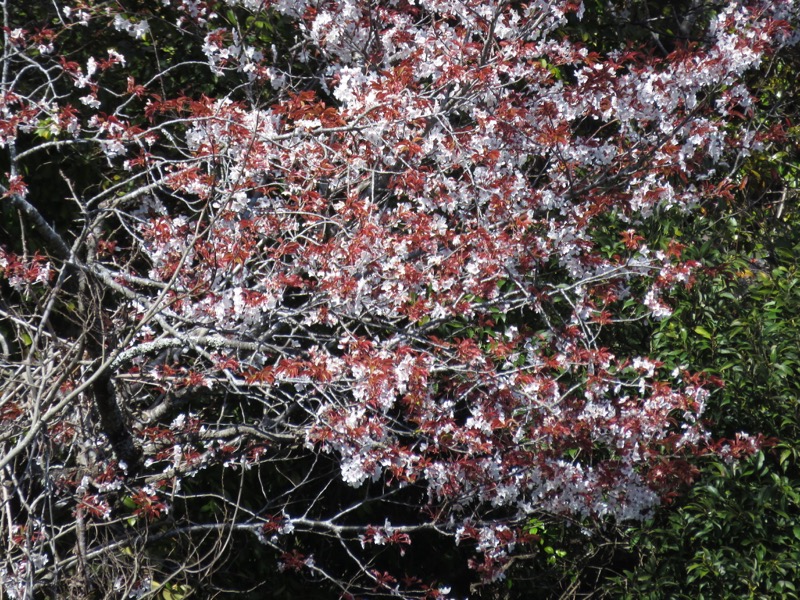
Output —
<point x="380" y="248"/>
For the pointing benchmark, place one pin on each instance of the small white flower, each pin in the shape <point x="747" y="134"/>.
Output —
<point x="91" y="101"/>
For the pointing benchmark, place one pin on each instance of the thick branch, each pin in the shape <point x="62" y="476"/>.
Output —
<point x="114" y="424"/>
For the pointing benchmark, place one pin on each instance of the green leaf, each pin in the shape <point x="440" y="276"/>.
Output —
<point x="759" y="460"/>
<point x="703" y="332"/>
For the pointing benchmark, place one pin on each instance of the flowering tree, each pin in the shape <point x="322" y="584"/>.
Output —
<point x="340" y="275"/>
